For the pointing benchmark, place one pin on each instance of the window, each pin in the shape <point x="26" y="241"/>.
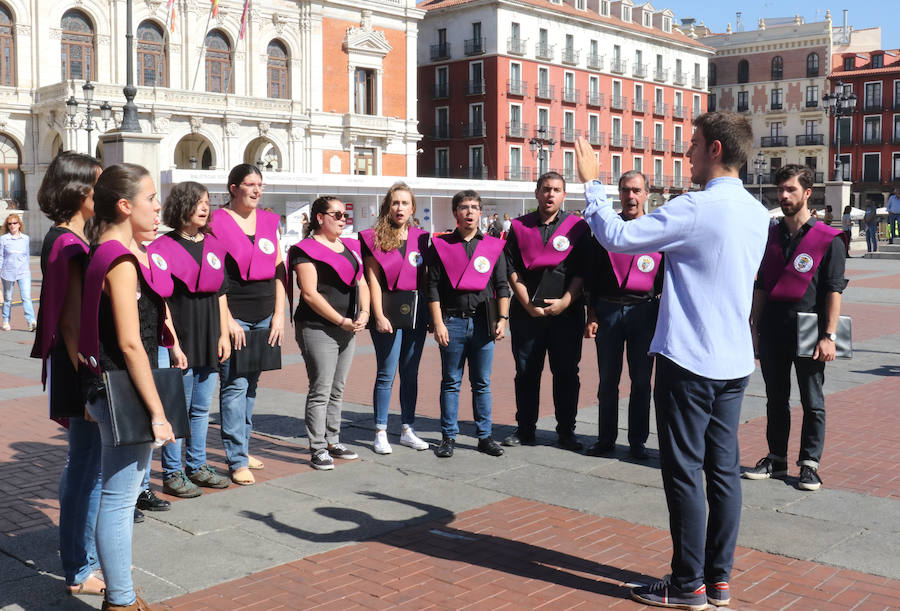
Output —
<point x="743" y="71"/>
<point x="848" y="63"/>
<point x="777" y="98"/>
<point x="896" y="166"/>
<point x="637" y="164"/>
<point x="657" y="172"/>
<point x="873" y="96"/>
<point x="638" y="131"/>
<point x="638" y="58"/>
<point x="648" y="19"/>
<point x="896" y="129"/>
<point x="581" y="4"/>
<point x="542" y="36"/>
<point x="543" y="121"/>
<point x="594" y="129"/>
<point x="616" y="128"/>
<point x="711" y="75"/>
<point x="7" y="49"/>
<point x="878" y="61"/>
<point x="277" y="69"/>
<point x="846" y="166"/>
<point x="442" y="162"/>
<point x="676" y="172"/>
<point x="515" y="121"/>
<point x="616" y="166"/>
<point x="844" y="126"/>
<point x="658" y="96"/>
<point x="476" y="45"/>
<point x="658" y="132"/>
<point x="677" y="139"/>
<point x="476" y="162"/>
<point x="871" y="167"/>
<point x="810" y="128"/>
<point x="11" y="183"/>
<point x="896" y="95"/>
<point x="812" y="96"/>
<point x="476" y="78"/>
<point x="667" y="24"/>
<point x="569" y="93"/>
<point x="569" y="165"/>
<point x="442" y="81"/>
<point x="568" y="126"/>
<point x="515" y="31"/>
<point x="777" y="68"/>
<point x="543" y="83"/>
<point x="364" y="102"/>
<point x="698" y="107"/>
<point x="626" y="13"/>
<point x="812" y="64"/>
<point x="442" y="122"/>
<point x="151" y="55"/>
<point x="604" y="8"/>
<point x="711" y="102"/>
<point x="77" y="46"/>
<point x="775" y="129"/>
<point x="218" y="63"/>
<point x="872" y="130"/>
<point x="476" y="120"/>
<point x="617" y="53"/>
<point x="593" y="91"/>
<point x="515" y="163"/>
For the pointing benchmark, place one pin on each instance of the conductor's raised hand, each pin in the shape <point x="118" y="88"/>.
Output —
<point x="588" y="165"/>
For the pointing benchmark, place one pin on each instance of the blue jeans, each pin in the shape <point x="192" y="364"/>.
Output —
<point x="24" y="291"/>
<point x="199" y="384"/>
<point x="401" y="348"/>
<point x="872" y="238"/>
<point x="621" y="327"/>
<point x="469" y="341"/>
<point x="123" y="469"/>
<point x="236" y="398"/>
<point x="79" y="501"/>
<point x="893" y="222"/>
<point x="697" y="420"/>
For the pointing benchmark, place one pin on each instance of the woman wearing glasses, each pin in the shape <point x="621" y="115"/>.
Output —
<point x="256" y="276"/>
<point x="14" y="269"/>
<point x="333" y="308"/>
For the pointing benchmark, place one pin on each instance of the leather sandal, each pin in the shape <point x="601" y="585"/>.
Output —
<point x="243" y="477"/>
<point x="255" y="463"/>
<point x="92" y="586"/>
<point x="139" y="604"/>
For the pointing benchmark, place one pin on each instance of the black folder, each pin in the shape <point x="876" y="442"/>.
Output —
<point x="128" y="415"/>
<point x="551" y="286"/>
<point x="401" y="308"/>
<point x="256" y="355"/>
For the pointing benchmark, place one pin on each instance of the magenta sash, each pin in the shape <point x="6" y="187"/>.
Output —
<point x="401" y="273"/>
<point x="54" y="288"/>
<point x="635" y="272"/>
<point x="205" y="277"/>
<point x="255" y="260"/>
<point x="788" y="281"/>
<point x="89" y="339"/>
<point x="468" y="274"/>
<point x="536" y="254"/>
<point x="335" y="260"/>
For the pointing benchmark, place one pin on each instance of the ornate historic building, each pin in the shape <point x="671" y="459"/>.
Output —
<point x="310" y="88"/>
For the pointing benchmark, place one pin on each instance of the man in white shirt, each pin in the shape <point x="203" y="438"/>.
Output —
<point x="713" y="241"/>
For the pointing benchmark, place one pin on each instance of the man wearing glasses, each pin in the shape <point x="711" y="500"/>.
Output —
<point x="624" y="292"/>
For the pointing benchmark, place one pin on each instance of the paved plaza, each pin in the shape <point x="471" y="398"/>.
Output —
<point x="536" y="528"/>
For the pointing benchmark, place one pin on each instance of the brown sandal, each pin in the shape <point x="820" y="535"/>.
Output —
<point x="88" y="587"/>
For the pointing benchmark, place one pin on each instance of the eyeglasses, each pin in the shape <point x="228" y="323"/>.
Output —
<point x="260" y="186"/>
<point x="634" y="190"/>
<point x="472" y="207"/>
<point x="336" y="214"/>
<point x="13" y="223"/>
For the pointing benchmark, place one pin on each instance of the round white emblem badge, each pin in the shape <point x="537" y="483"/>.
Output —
<point x="266" y="246"/>
<point x="159" y="261"/>
<point x="481" y="265"/>
<point x="803" y="262"/>
<point x="561" y="243"/>
<point x="415" y="258"/>
<point x="645" y="263"/>
<point x="213" y="260"/>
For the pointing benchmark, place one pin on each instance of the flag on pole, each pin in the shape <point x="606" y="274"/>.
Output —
<point x="244" y="19"/>
<point x="215" y="7"/>
<point x="170" y="15"/>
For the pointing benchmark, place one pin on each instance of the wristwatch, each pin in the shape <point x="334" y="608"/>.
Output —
<point x="831" y="336"/>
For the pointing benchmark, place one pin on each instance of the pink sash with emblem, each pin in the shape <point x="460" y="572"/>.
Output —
<point x="401" y="273"/>
<point x="468" y="274"/>
<point x="536" y="254"/>
<point x="635" y="273"/>
<point x="205" y="277"/>
<point x="255" y="260"/>
<point x="788" y="281"/>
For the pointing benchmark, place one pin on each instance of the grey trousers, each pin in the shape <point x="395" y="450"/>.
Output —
<point x="328" y="354"/>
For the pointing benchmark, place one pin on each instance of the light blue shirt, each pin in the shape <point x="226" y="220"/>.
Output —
<point x="14" y="253"/>
<point x="893" y="204"/>
<point x="714" y="241"/>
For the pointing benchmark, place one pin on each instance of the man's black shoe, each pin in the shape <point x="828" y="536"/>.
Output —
<point x="600" y="448"/>
<point x="570" y="443"/>
<point x="490" y="447"/>
<point x="638" y="452"/>
<point x="445" y="450"/>
<point x="148" y="501"/>
<point x="138" y="516"/>
<point x="519" y="438"/>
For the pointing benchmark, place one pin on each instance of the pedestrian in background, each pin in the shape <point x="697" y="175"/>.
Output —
<point x="15" y="269"/>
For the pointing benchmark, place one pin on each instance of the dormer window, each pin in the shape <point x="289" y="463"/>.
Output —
<point x="604" y="8"/>
<point x="581" y="5"/>
<point x="667" y="24"/>
<point x="648" y="19"/>
<point x="626" y="13"/>
<point x="878" y="61"/>
<point x="848" y="63"/>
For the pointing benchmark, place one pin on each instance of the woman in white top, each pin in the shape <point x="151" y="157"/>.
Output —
<point x="15" y="268"/>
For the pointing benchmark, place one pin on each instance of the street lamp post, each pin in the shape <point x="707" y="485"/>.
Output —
<point x="87" y="123"/>
<point x="760" y="163"/>
<point x="837" y="104"/>
<point x="539" y="143"/>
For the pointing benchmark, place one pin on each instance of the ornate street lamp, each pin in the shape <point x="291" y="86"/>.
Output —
<point x="88" y="123"/>
<point x="838" y="104"/>
<point x="543" y="146"/>
<point x="760" y="163"/>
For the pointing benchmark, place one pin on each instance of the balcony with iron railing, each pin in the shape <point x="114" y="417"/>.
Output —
<point x="569" y="174"/>
<point x="639" y="70"/>
<point x="595" y="61"/>
<point x="518" y="173"/>
<point x="680" y="77"/>
<point x="770" y="141"/>
<point x="474" y="46"/>
<point x="569" y="134"/>
<point x="895" y="139"/>
<point x="542" y="50"/>
<point x="745" y="107"/>
<point x="810" y="139"/>
<point x="441" y="131"/>
<point x="475" y="129"/>
<point x="516" y="46"/>
<point x="618" y="140"/>
<point x="812" y="72"/>
<point x="570" y="56"/>
<point x="872" y="106"/>
<point x="661" y="145"/>
<point x="661" y="74"/>
<point x="678" y="111"/>
<point x="639" y="143"/>
<point x="571" y="96"/>
<point x="678" y="182"/>
<point x="618" y="102"/>
<point x="441" y="90"/>
<point x="845" y="140"/>
<point x="658" y="181"/>
<point x="596" y="138"/>
<point x="819" y="177"/>
<point x="475" y="87"/>
<point x="618" y="66"/>
<point x="897" y="103"/>
<point x="544" y="132"/>
<point x="440" y="51"/>
<point x="679" y="147"/>
<point x="870" y="139"/>
<point x="812" y="103"/>
<point x="516" y="130"/>
<point x="475" y="172"/>
<point x="441" y="171"/>
<point x="699" y="82"/>
<point x="639" y="106"/>
<point x="545" y="92"/>
<point x="516" y="87"/>
<point x="594" y="98"/>
<point x="776" y="107"/>
<point x="660" y="110"/>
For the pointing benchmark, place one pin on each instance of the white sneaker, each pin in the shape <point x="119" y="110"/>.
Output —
<point x="409" y="439"/>
<point x="6" y="326"/>
<point x="381" y="443"/>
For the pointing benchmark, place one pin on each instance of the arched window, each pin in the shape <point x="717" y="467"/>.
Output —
<point x="151" y="56"/>
<point x="7" y="49"/>
<point x="743" y="71"/>
<point x="278" y="70"/>
<point x="11" y="183"/>
<point x="218" y="63"/>
<point x="711" y="74"/>
<point x="777" y="68"/>
<point x="812" y="64"/>
<point x="77" y="46"/>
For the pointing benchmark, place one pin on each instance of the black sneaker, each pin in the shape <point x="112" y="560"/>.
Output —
<point x="148" y="501"/>
<point x="601" y="448"/>
<point x="809" y="478"/>
<point x="638" y="452"/>
<point x="490" y="447"/>
<point x="664" y="594"/>
<point x="766" y="468"/>
<point x="718" y="594"/>
<point x="207" y="477"/>
<point x="570" y="443"/>
<point x="179" y="485"/>
<point x="322" y="460"/>
<point x="445" y="450"/>
<point x="518" y="438"/>
<point x="138" y="516"/>
<point x="339" y="450"/>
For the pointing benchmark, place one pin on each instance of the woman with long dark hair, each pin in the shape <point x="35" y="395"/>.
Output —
<point x="66" y="198"/>
<point x="333" y="308"/>
<point x="256" y="296"/>
<point x="393" y="253"/>
<point x="119" y="332"/>
<point x="199" y="312"/>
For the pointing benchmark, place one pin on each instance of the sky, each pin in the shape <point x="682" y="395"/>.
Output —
<point x="862" y="14"/>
